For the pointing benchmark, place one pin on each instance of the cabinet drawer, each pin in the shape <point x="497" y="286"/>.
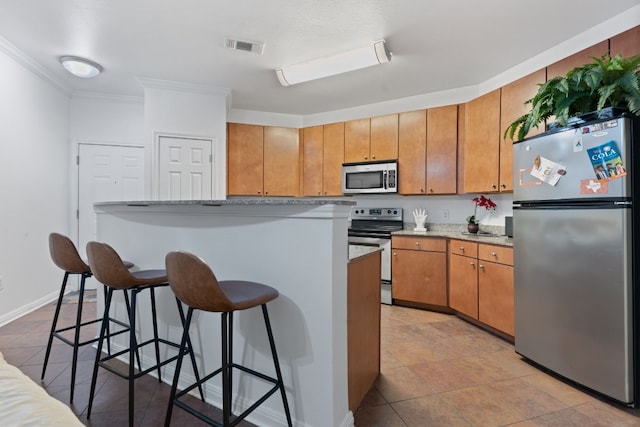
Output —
<point x="463" y="247"/>
<point x="499" y="254"/>
<point x="419" y="243"/>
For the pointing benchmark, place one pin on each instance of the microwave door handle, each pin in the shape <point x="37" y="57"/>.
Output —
<point x="384" y="179"/>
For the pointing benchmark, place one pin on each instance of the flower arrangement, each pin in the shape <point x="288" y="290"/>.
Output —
<point x="481" y="201"/>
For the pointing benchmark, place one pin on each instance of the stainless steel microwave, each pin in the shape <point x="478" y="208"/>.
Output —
<point x="370" y="177"/>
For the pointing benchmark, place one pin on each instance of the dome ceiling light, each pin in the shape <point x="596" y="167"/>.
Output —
<point x="80" y="67"/>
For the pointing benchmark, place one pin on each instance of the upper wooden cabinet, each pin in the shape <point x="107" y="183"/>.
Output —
<point x="626" y="44"/>
<point x="442" y="144"/>
<point x="427" y="151"/>
<point x="357" y="139"/>
<point x="371" y="139"/>
<point x="312" y="144"/>
<point x="412" y="152"/>
<point x="384" y="137"/>
<point x="332" y="159"/>
<point x="323" y="155"/>
<point x="512" y="106"/>
<point x="262" y="160"/>
<point x="244" y="159"/>
<point x="482" y="144"/>
<point x="562" y="67"/>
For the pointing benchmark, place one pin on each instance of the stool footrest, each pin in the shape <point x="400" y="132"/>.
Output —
<point x="238" y="418"/>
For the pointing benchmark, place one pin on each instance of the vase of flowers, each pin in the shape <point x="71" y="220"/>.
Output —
<point x="484" y="202"/>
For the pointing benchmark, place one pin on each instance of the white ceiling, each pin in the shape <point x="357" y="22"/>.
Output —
<point x="436" y="45"/>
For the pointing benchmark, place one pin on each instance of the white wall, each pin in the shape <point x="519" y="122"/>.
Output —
<point x="34" y="182"/>
<point x="181" y="109"/>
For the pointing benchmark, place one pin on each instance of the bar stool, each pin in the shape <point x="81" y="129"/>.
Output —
<point x="107" y="267"/>
<point x="195" y="284"/>
<point x="65" y="255"/>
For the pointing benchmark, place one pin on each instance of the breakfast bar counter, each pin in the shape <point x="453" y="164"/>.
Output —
<point x="299" y="247"/>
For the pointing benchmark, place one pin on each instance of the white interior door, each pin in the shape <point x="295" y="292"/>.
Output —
<point x="106" y="173"/>
<point x="185" y="168"/>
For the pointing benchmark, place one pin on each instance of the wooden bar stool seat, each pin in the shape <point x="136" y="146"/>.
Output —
<point x="195" y="284"/>
<point x="107" y="267"/>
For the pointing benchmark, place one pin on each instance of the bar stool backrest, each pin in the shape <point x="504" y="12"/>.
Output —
<point x="194" y="283"/>
<point x="65" y="255"/>
<point x="108" y="267"/>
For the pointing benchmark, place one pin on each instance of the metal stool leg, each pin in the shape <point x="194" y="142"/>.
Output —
<point x="191" y="353"/>
<point x="76" y="337"/>
<point x="133" y="348"/>
<point x="276" y="363"/>
<point x="155" y="331"/>
<point x="54" y="324"/>
<point x="176" y="376"/>
<point x="226" y="389"/>
<point x="103" y="329"/>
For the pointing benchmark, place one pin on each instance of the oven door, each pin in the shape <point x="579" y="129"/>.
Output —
<point x="385" y="244"/>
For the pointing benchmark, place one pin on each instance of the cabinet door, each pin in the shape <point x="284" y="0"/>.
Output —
<point x="244" y="159"/>
<point x="333" y="157"/>
<point x="626" y="44"/>
<point x="442" y="144"/>
<point x="357" y="140"/>
<point x="384" y="137"/>
<point x="312" y="161"/>
<point x="512" y="106"/>
<point x="495" y="296"/>
<point x="412" y="152"/>
<point x="281" y="161"/>
<point x="419" y="276"/>
<point x="463" y="285"/>
<point x="482" y="145"/>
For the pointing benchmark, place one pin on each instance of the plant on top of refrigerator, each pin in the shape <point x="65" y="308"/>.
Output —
<point x="483" y="202"/>
<point x="604" y="83"/>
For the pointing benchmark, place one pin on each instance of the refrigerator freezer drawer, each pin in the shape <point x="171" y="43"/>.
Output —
<point x="573" y="296"/>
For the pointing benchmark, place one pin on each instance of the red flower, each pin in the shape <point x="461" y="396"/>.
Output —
<point x="481" y="201"/>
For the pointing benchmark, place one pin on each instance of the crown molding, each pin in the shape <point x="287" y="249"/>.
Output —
<point x="150" y="83"/>
<point x="26" y="61"/>
<point x="123" y="99"/>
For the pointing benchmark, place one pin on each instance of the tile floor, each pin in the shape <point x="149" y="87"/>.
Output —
<point x="437" y="370"/>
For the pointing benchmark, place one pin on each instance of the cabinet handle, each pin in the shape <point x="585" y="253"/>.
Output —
<point x="503" y="186"/>
<point x="422" y="190"/>
<point x="494" y="254"/>
<point x="494" y="186"/>
<point x="395" y="254"/>
<point x="462" y="248"/>
<point x="471" y="263"/>
<point x="365" y="157"/>
<point x="481" y="266"/>
<point x="318" y="193"/>
<point x="417" y="243"/>
<point x="259" y="192"/>
<point x="373" y="157"/>
<point x="431" y="190"/>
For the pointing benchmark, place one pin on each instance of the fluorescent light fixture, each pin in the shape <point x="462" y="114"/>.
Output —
<point x="372" y="54"/>
<point x="80" y="67"/>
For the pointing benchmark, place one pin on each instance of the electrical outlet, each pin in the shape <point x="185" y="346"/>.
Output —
<point x="445" y="213"/>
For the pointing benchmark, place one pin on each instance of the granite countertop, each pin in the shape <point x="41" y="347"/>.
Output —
<point x="357" y="251"/>
<point x="494" y="236"/>
<point x="232" y="202"/>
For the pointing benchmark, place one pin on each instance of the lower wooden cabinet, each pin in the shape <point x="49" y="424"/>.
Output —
<point x="419" y="270"/>
<point x="481" y="283"/>
<point x="495" y="287"/>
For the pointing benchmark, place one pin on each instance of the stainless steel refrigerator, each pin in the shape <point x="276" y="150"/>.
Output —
<point x="575" y="236"/>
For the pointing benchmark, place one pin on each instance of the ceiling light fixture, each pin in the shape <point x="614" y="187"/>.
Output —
<point x="372" y="54"/>
<point x="80" y="67"/>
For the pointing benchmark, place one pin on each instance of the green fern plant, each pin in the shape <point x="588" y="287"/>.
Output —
<point x="606" y="82"/>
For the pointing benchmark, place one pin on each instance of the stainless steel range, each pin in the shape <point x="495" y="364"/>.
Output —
<point x="373" y="227"/>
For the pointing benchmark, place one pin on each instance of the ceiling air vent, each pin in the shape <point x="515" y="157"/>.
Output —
<point x="247" y="46"/>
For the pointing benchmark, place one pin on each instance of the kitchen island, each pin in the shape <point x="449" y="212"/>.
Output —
<point x="298" y="246"/>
